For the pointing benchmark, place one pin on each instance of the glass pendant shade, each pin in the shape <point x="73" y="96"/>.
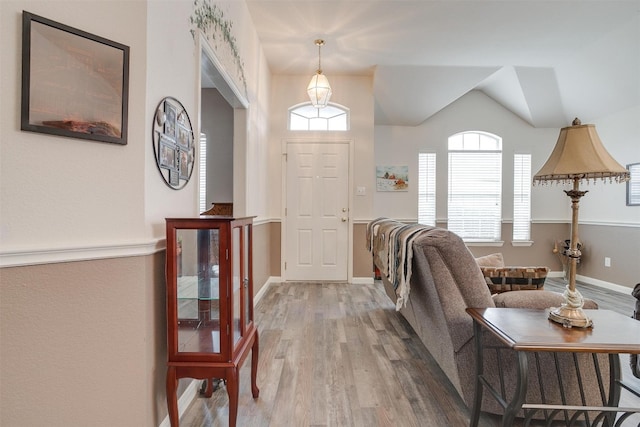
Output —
<point x="319" y="90"/>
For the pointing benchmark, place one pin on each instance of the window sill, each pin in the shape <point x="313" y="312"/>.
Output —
<point x="522" y="243"/>
<point x="499" y="243"/>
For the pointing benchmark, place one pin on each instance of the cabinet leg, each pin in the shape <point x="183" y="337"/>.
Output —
<point x="232" y="390"/>
<point x="209" y="387"/>
<point x="172" y="397"/>
<point x="254" y="367"/>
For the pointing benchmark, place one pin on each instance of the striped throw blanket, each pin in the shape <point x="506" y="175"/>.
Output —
<point x="391" y="244"/>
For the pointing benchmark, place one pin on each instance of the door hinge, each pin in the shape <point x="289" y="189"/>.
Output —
<point x="285" y="265"/>
<point x="228" y="330"/>
<point x="226" y="254"/>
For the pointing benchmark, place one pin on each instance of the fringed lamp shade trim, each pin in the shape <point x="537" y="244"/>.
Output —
<point x="579" y="154"/>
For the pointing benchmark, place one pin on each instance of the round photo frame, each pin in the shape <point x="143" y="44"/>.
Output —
<point x="173" y="143"/>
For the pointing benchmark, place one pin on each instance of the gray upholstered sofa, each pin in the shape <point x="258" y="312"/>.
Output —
<point x="444" y="280"/>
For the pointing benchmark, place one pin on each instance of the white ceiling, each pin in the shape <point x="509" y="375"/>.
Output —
<point x="546" y="61"/>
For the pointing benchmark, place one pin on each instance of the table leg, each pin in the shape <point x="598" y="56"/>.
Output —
<point x="254" y="367"/>
<point x="615" y="376"/>
<point x="520" y="392"/>
<point x="477" y="398"/>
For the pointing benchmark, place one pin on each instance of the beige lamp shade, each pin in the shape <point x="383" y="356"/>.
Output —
<point x="579" y="153"/>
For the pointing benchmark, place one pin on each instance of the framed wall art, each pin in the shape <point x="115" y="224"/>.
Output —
<point x="173" y="143"/>
<point x="392" y="178"/>
<point x="74" y="83"/>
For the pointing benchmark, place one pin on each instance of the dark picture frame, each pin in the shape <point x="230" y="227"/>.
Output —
<point x="74" y="83"/>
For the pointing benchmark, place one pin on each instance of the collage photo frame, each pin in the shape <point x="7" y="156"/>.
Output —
<point x="173" y="143"/>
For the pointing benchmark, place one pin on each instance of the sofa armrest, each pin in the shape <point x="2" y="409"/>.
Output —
<point x="536" y="300"/>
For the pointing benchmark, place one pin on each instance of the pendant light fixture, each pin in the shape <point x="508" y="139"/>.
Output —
<point x="319" y="89"/>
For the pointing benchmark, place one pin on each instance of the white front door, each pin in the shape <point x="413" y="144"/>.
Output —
<point x="317" y="211"/>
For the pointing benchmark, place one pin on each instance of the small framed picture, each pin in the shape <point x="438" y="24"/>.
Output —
<point x="174" y="178"/>
<point x="167" y="155"/>
<point x="392" y="178"/>
<point x="170" y="119"/>
<point x="182" y="118"/>
<point x="183" y="137"/>
<point x="183" y="164"/>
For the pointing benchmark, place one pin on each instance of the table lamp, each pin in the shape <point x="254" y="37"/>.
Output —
<point x="578" y="155"/>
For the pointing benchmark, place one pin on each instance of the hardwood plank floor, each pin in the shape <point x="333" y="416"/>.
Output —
<point x="337" y="354"/>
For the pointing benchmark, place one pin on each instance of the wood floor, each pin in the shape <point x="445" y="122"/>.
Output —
<point x="336" y="354"/>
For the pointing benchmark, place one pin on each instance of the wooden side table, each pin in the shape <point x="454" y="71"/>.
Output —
<point x="528" y="330"/>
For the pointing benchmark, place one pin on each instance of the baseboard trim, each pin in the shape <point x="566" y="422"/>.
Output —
<point x="602" y="284"/>
<point x="362" y="280"/>
<point x="265" y="287"/>
<point x="595" y="282"/>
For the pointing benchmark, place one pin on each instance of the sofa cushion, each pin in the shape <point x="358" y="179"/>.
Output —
<point x="537" y="300"/>
<point x="493" y="260"/>
<point x="502" y="279"/>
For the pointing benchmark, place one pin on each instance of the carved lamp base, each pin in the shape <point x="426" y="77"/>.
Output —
<point x="571" y="314"/>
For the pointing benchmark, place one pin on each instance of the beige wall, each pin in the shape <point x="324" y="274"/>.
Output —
<point x="83" y="343"/>
<point x="538" y="254"/>
<point x="362" y="261"/>
<point x="598" y="242"/>
<point x="262" y="255"/>
<point x="621" y="244"/>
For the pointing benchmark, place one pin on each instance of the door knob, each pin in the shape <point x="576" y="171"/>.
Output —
<point x="344" y="219"/>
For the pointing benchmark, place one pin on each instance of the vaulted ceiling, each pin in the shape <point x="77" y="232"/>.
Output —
<point x="546" y="61"/>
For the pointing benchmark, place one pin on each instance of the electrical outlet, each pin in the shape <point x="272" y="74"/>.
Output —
<point x="607" y="261"/>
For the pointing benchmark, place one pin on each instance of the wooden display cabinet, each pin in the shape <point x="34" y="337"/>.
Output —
<point x="209" y="305"/>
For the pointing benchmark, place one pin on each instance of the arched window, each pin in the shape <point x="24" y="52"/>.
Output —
<point x="333" y="117"/>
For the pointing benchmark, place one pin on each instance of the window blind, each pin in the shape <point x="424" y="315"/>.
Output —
<point x="633" y="185"/>
<point x="427" y="188"/>
<point x="522" y="197"/>
<point x="475" y="188"/>
<point x="202" y="176"/>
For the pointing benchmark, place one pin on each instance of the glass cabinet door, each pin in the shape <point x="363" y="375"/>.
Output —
<point x="237" y="291"/>
<point x="246" y="274"/>
<point x="198" y="291"/>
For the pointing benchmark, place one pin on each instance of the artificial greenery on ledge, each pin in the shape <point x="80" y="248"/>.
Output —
<point x="209" y="19"/>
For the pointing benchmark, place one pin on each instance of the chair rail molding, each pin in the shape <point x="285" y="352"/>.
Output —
<point x="36" y="256"/>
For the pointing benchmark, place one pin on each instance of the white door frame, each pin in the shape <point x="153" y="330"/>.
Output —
<point x="283" y="201"/>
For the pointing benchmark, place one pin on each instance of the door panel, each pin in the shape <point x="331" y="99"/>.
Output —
<point x="317" y="211"/>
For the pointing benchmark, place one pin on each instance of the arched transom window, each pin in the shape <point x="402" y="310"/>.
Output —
<point x="333" y="117"/>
